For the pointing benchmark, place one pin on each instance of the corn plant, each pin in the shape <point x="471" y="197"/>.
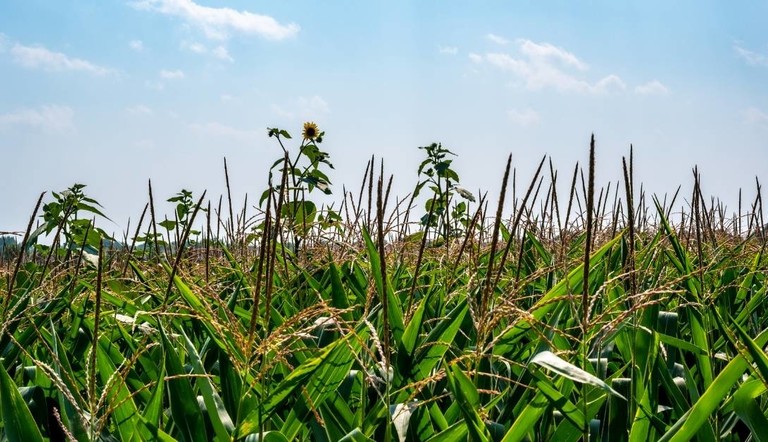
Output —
<point x="603" y="321"/>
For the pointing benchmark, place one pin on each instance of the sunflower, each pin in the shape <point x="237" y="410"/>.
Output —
<point x="310" y="131"/>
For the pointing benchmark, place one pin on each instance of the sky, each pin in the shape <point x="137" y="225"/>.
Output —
<point x="113" y="93"/>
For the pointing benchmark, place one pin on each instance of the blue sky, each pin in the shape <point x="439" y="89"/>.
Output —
<point x="115" y="92"/>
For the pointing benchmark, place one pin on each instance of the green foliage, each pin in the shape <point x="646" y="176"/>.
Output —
<point x="262" y="344"/>
<point x="185" y="205"/>
<point x="301" y="175"/>
<point x="436" y="174"/>
<point x="65" y="214"/>
<point x="9" y="247"/>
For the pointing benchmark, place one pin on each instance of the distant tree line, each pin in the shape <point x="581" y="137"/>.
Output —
<point x="9" y="247"/>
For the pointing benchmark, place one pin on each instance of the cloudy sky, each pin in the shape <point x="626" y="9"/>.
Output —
<point x="111" y="93"/>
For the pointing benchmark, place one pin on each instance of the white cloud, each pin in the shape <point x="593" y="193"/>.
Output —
<point x="172" y="75"/>
<point x="280" y="112"/>
<point x="545" y="66"/>
<point x="305" y="108"/>
<point x="38" y="57"/>
<point x="226" y="97"/>
<point x="751" y="57"/>
<point x="525" y="118"/>
<point x="545" y="52"/>
<point x="139" y="109"/>
<point x="3" y="42"/>
<point x="220" y="23"/>
<point x="197" y="48"/>
<point x="654" y="87"/>
<point x="219" y="51"/>
<point x="156" y="85"/>
<point x="313" y="107"/>
<point x="48" y="117"/>
<point x="136" y="45"/>
<point x="448" y="50"/>
<point x="753" y="115"/>
<point x="497" y="39"/>
<point x="608" y="84"/>
<point x="222" y="53"/>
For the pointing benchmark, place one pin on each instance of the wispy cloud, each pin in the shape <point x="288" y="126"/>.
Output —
<point x="136" y="45"/>
<point x="305" y="108"/>
<point x="313" y="107"/>
<point x="497" y="39"/>
<point x="172" y="75"/>
<point x="139" y="109"/>
<point x="219" y="51"/>
<point x="753" y="115"/>
<point x="751" y="57"/>
<point x="281" y="112"/>
<point x="545" y="66"/>
<point x="608" y="84"/>
<point x="525" y="118"/>
<point x="49" y="117"/>
<point x="448" y="50"/>
<point x="39" y="57"/>
<point x="156" y="85"/>
<point x="546" y="52"/>
<point x="654" y="87"/>
<point x="220" y="23"/>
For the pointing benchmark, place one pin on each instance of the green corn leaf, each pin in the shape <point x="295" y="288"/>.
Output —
<point x="698" y="329"/>
<point x="356" y="435"/>
<point x="432" y="351"/>
<point x="468" y="400"/>
<point x="688" y="425"/>
<point x="119" y="397"/>
<point x="184" y="407"/>
<point x="217" y="413"/>
<point x="331" y="365"/>
<point x="17" y="419"/>
<point x="338" y="293"/>
<point x="154" y="408"/>
<point x="457" y="431"/>
<point x="547" y="303"/>
<point x="394" y="309"/>
<point x="750" y="409"/>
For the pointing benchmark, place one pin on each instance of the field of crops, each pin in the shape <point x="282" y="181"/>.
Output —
<point x="439" y="315"/>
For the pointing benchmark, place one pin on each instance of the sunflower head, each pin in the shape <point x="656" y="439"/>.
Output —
<point x="310" y="131"/>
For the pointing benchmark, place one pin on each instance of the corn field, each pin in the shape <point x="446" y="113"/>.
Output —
<point x="600" y="314"/>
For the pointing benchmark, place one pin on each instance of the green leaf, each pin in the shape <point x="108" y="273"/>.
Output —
<point x="184" y="407"/>
<point x="120" y="398"/>
<point x="217" y="413"/>
<point x="433" y="349"/>
<point x="153" y="411"/>
<point x="750" y="410"/>
<point x="356" y="435"/>
<point x="168" y="224"/>
<point x="468" y="399"/>
<point x="549" y="302"/>
<point x="394" y="309"/>
<point x="17" y="419"/>
<point x="688" y="425"/>
<point x="331" y="365"/>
